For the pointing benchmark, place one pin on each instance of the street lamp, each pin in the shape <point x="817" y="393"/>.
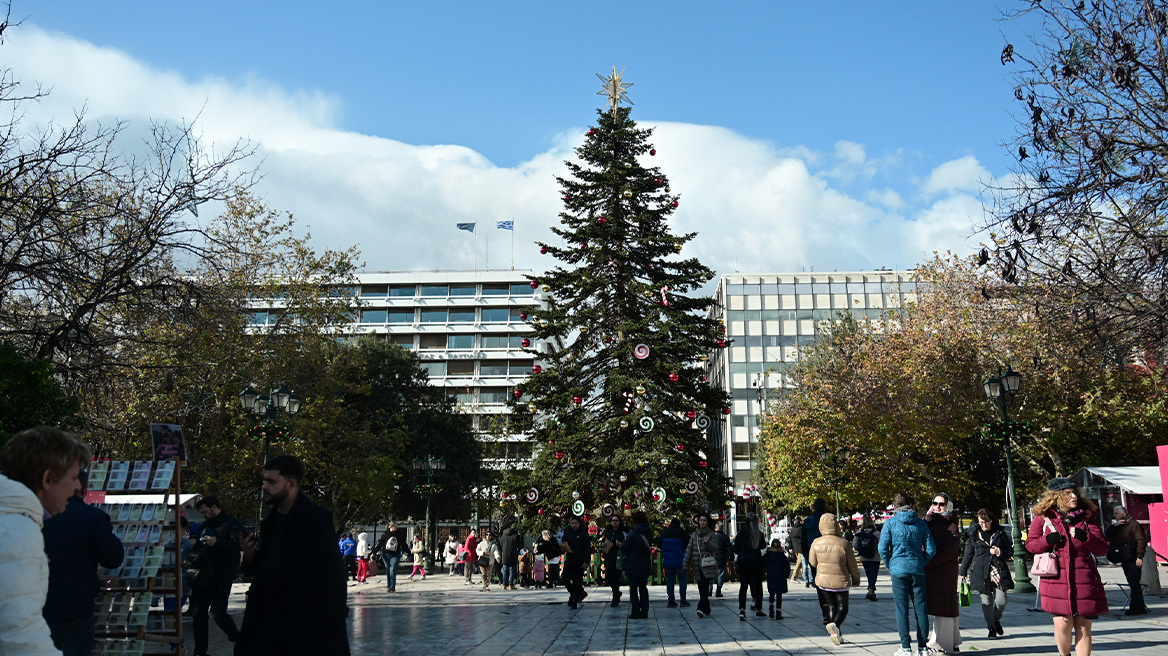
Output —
<point x="268" y="407"/>
<point x="835" y="461"/>
<point x="1002" y="390"/>
<point x="429" y="465"/>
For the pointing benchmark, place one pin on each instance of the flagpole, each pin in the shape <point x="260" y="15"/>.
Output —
<point x="512" y="243"/>
<point x="487" y="251"/>
<point x="476" y="249"/>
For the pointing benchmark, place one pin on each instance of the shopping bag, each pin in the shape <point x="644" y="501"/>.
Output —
<point x="963" y="593"/>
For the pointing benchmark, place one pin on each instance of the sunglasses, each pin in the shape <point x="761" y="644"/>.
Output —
<point x="938" y="503"/>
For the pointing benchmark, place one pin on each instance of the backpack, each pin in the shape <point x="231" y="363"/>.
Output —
<point x="866" y="543"/>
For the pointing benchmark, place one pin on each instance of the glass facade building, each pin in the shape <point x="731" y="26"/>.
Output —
<point x="769" y="318"/>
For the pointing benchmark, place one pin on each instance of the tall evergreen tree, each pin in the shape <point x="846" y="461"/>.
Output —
<point x="619" y="404"/>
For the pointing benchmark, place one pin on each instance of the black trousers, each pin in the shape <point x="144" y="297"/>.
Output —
<point x="214" y="600"/>
<point x="835" y="609"/>
<point x="612" y="577"/>
<point x="572" y="577"/>
<point x="1133" y="573"/>
<point x="351" y="566"/>
<point x="749" y="577"/>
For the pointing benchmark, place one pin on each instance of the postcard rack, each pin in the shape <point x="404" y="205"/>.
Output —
<point x="139" y="609"/>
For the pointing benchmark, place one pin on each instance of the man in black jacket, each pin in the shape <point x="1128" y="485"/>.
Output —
<point x="76" y="542"/>
<point x="216" y="556"/>
<point x="297" y="602"/>
<point x="509" y="545"/>
<point x="576" y="557"/>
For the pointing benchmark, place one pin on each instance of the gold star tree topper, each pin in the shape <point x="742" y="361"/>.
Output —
<point x="614" y="89"/>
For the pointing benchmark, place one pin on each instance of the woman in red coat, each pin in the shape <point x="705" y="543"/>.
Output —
<point x="1066" y="524"/>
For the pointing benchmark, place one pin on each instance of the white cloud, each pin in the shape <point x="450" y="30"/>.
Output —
<point x="764" y="207"/>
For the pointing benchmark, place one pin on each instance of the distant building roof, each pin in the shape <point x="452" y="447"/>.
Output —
<point x="1138" y="480"/>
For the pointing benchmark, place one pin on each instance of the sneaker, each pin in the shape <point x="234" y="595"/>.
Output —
<point x="778" y="613"/>
<point x="719" y="595"/>
<point x="759" y="613"/>
<point x="998" y="628"/>
<point x="834" y="631"/>
<point x="701" y="614"/>
<point x="904" y="652"/>
<point x="741" y="616"/>
<point x="684" y="604"/>
<point x="993" y="634"/>
<point x="672" y="604"/>
<point x="871" y="596"/>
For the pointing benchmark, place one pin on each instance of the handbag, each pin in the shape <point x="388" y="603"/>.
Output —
<point x="1045" y="564"/>
<point x="1121" y="552"/>
<point x="483" y="561"/>
<point x="963" y="593"/>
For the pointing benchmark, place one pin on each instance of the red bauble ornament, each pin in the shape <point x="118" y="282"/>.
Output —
<point x="517" y="393"/>
<point x="559" y="455"/>
<point x="543" y="250"/>
<point x="703" y="379"/>
<point x="584" y="246"/>
<point x="536" y="369"/>
<point x="540" y="511"/>
<point x="690" y="414"/>
<point x="721" y="343"/>
<point x="674" y="377"/>
<point x="523" y="316"/>
<point x="608" y="339"/>
<point x="577" y="400"/>
<point x="591" y="131"/>
<point x="567" y="197"/>
<point x="703" y="464"/>
<point x="653" y="151"/>
<point x="526" y="342"/>
<point x="600" y="220"/>
<point x="504" y="495"/>
<point x="628" y="505"/>
<point x="725" y="411"/>
<point x="534" y="284"/>
<point x="658" y="180"/>
<point x="681" y="447"/>
<point x="674" y="203"/>
<point x="551" y="442"/>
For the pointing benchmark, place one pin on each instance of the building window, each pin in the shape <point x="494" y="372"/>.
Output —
<point x="431" y="342"/>
<point x="258" y="319"/>
<point x="495" y="341"/>
<point x="433" y="316"/>
<point x="515" y="341"/>
<point x="495" y="289"/>
<point x="435" y="290"/>
<point x="460" y="368"/>
<point x="513" y="315"/>
<point x="404" y="341"/>
<point x="342" y="292"/>
<point x="465" y="396"/>
<point x="376" y="317"/>
<point x="402" y="291"/>
<point x="493" y="394"/>
<point x="461" y="315"/>
<point x="493" y="368"/>
<point x="521" y="289"/>
<point x="401" y="316"/>
<point x="433" y="368"/>
<point x="462" y="290"/>
<point x="460" y="342"/>
<point x="495" y="315"/>
<point x="519" y="367"/>
<point x="374" y="291"/>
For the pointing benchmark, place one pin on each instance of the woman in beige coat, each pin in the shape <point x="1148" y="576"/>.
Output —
<point x="835" y="571"/>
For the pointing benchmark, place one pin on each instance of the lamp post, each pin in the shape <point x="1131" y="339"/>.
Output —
<point x="428" y="466"/>
<point x="268" y="407"/>
<point x="835" y="460"/>
<point x="1001" y="390"/>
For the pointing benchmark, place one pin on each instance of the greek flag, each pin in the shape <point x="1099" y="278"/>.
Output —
<point x="505" y="225"/>
<point x="469" y="227"/>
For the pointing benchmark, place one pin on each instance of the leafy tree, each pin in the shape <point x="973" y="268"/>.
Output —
<point x="29" y="395"/>
<point x="612" y="426"/>
<point x="1081" y="224"/>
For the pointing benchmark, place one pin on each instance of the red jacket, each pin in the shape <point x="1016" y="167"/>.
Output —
<point x="1077" y="590"/>
<point x="471" y="547"/>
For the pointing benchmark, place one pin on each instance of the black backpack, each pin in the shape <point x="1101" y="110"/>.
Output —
<point x="866" y="543"/>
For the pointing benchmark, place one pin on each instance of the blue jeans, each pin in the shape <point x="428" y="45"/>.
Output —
<point x="872" y="569"/>
<point x="808" y="575"/>
<point x="508" y="575"/>
<point x="73" y="637"/>
<point x="639" y="595"/>
<point x="390" y="563"/>
<point x="721" y="579"/>
<point x="906" y="589"/>
<point x="674" y="575"/>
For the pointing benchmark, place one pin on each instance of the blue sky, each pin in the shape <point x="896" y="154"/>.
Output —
<point x="799" y="121"/>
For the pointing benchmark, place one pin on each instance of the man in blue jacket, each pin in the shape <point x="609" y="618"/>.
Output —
<point x="906" y="545"/>
<point x="217" y="551"/>
<point x="76" y="542"/>
<point x="673" y="542"/>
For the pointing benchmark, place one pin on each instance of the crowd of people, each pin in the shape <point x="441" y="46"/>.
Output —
<point x="52" y="542"/>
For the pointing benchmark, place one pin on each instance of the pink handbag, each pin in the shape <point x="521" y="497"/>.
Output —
<point x="1045" y="564"/>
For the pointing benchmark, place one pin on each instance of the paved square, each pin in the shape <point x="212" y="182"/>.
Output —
<point x="443" y="615"/>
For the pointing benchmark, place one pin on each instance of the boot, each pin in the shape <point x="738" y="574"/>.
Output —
<point x="771" y="611"/>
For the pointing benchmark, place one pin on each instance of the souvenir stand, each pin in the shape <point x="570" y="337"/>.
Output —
<point x="138" y="611"/>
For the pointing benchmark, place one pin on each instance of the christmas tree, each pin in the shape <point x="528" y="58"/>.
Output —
<point x="620" y="404"/>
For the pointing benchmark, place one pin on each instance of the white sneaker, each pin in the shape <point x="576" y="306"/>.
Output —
<point x="834" y="631"/>
<point x="905" y="652"/>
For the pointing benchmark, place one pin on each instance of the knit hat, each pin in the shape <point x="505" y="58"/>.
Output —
<point x="1059" y="484"/>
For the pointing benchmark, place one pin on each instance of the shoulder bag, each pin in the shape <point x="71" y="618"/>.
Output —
<point x="1045" y="564"/>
